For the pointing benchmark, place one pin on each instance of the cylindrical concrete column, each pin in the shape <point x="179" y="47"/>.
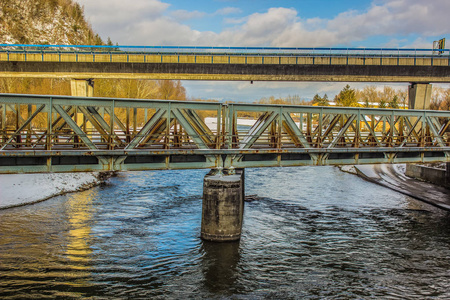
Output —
<point x="223" y="207"/>
<point x="447" y="174"/>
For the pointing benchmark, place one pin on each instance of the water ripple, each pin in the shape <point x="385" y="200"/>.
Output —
<point x="309" y="233"/>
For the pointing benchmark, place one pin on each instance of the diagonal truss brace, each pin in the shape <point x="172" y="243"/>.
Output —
<point x="435" y="132"/>
<point x="189" y="128"/>
<point x="254" y="133"/>
<point x="99" y="123"/>
<point x="342" y="131"/>
<point x="257" y="129"/>
<point x="25" y="124"/>
<point x="186" y="123"/>
<point x="295" y="133"/>
<point x="75" y="127"/>
<point x="78" y="131"/>
<point x="146" y="129"/>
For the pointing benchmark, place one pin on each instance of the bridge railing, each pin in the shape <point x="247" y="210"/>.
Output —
<point x="113" y="123"/>
<point x="227" y="55"/>
<point x="55" y="133"/>
<point x="225" y="50"/>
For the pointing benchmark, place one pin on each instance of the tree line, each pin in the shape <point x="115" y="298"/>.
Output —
<point x="370" y="96"/>
<point x="113" y="88"/>
<point x="386" y="97"/>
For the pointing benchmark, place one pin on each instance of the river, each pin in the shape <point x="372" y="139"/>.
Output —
<point x="311" y="233"/>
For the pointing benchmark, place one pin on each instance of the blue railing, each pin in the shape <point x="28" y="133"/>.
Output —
<point x="225" y="50"/>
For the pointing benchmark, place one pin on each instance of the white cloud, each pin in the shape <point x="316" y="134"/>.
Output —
<point x="184" y="15"/>
<point x="228" y="11"/>
<point x="110" y="12"/>
<point x="394" y="17"/>
<point x="235" y="21"/>
<point x="116" y="18"/>
<point x="148" y="22"/>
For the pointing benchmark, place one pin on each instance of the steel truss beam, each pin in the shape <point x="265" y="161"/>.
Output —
<point x="65" y="134"/>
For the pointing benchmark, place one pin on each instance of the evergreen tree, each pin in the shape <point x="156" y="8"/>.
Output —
<point x="324" y="101"/>
<point x="382" y="104"/>
<point x="347" y="97"/>
<point x="366" y="103"/>
<point x="316" y="99"/>
<point x="394" y="102"/>
<point x="320" y="101"/>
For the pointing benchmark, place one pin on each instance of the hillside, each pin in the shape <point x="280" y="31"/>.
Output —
<point x="44" y="22"/>
<point x="63" y="22"/>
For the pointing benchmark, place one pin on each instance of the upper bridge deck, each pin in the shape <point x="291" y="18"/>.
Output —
<point x="226" y="63"/>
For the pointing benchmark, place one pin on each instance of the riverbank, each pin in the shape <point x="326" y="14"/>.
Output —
<point x="393" y="177"/>
<point x="22" y="189"/>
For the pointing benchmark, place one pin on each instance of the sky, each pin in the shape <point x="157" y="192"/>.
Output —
<point x="279" y="23"/>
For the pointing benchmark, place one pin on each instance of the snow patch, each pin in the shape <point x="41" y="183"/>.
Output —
<point x="400" y="168"/>
<point x="20" y="189"/>
<point x="348" y="169"/>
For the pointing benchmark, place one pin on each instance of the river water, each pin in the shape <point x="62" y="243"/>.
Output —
<point x="312" y="233"/>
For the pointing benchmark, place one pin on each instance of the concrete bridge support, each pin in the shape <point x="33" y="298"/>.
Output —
<point x="223" y="207"/>
<point x="419" y="96"/>
<point x="82" y="87"/>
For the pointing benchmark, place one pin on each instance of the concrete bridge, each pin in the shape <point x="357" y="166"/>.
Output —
<point x="226" y="63"/>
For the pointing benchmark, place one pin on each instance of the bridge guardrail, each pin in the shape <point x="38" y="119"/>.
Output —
<point x="224" y="55"/>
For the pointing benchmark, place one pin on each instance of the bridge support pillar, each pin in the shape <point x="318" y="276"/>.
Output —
<point x="223" y="207"/>
<point x="82" y="87"/>
<point x="419" y="95"/>
<point x="447" y="174"/>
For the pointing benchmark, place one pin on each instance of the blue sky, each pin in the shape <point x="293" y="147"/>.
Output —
<point x="281" y="23"/>
<point x="306" y="9"/>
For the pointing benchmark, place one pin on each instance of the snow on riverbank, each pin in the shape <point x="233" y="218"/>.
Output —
<point x="348" y="169"/>
<point x="20" y="189"/>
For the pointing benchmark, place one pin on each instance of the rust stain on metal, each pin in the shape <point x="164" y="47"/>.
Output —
<point x="326" y="135"/>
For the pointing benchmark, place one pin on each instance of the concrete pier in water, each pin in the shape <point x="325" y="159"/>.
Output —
<point x="223" y="207"/>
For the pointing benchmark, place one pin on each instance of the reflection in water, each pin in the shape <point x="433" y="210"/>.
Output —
<point x="312" y="233"/>
<point x="220" y="261"/>
<point x="44" y="248"/>
<point x="79" y="218"/>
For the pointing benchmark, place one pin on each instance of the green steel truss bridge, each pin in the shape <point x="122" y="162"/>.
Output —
<point x="226" y="63"/>
<point x="67" y="134"/>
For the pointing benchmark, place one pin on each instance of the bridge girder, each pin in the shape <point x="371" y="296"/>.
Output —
<point x="225" y="63"/>
<point x="67" y="134"/>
